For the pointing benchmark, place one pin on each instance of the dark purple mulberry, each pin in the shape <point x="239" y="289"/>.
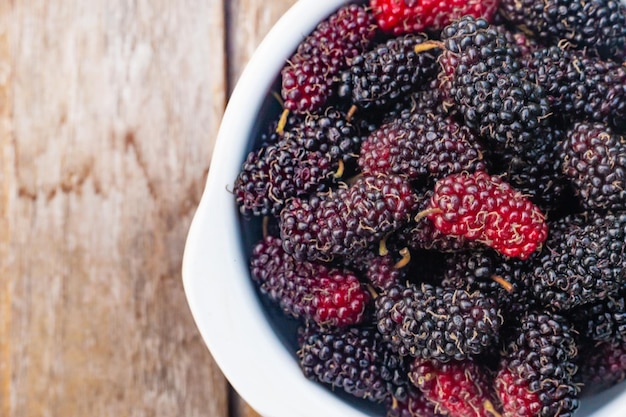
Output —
<point x="582" y="261"/>
<point x="594" y="25"/>
<point x="602" y="365"/>
<point x="579" y="85"/>
<point x="594" y="160"/>
<point x="314" y="292"/>
<point x="355" y="359"/>
<point x="500" y="101"/>
<point x="429" y="147"/>
<point x="431" y="322"/>
<point x="277" y="172"/>
<point x="388" y="72"/>
<point x="347" y="221"/>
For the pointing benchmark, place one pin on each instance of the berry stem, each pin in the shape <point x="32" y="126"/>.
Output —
<point x="265" y="226"/>
<point x="282" y="122"/>
<point x="406" y="258"/>
<point x="350" y="181"/>
<point x="394" y="403"/>
<point x="351" y="112"/>
<point x="427" y="212"/>
<point x="427" y="46"/>
<point x="504" y="283"/>
<point x="382" y="247"/>
<point x="373" y="293"/>
<point x="278" y="98"/>
<point x="491" y="409"/>
<point x="340" y="169"/>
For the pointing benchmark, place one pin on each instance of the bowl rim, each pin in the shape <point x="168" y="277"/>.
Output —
<point x="213" y="262"/>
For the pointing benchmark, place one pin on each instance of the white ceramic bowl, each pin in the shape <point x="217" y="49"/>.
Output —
<point x="254" y="355"/>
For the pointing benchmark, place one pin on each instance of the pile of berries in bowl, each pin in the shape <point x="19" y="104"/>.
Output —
<point x="432" y="206"/>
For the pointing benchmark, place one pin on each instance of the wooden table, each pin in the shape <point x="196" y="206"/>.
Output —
<point x="108" y="114"/>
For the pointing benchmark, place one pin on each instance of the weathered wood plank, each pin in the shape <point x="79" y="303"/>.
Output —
<point x="249" y="21"/>
<point x="105" y="142"/>
<point x="6" y="165"/>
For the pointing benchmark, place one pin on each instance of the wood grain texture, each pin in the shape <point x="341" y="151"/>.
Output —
<point x="108" y="111"/>
<point x="248" y="23"/>
<point x="5" y="223"/>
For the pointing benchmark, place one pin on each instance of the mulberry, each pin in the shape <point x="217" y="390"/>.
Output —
<point x="458" y="388"/>
<point x="595" y="25"/>
<point x="355" y="359"/>
<point x="536" y="372"/>
<point x="387" y="73"/>
<point x="277" y="172"/>
<point x="401" y="16"/>
<point x="307" y="79"/>
<point x="435" y="323"/>
<point x="583" y="261"/>
<point x="494" y="94"/>
<point x="582" y="86"/>
<point x="486" y="209"/>
<point x="594" y="160"/>
<point x="428" y="148"/>
<point x="314" y="292"/>
<point x="346" y="221"/>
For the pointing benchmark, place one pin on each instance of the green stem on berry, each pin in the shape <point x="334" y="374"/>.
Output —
<point x="406" y="258"/>
<point x="427" y="46"/>
<point x="282" y="122"/>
